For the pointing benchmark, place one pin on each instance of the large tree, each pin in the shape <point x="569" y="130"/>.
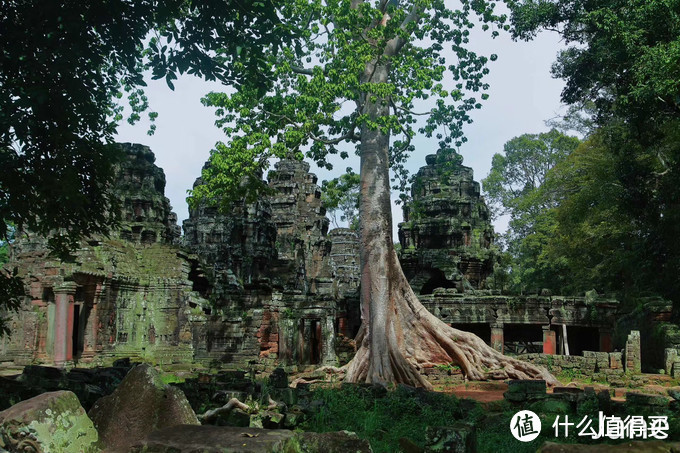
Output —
<point x="360" y="75"/>
<point x="515" y="186"/>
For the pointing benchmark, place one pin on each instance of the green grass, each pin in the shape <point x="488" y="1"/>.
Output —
<point x="384" y="419"/>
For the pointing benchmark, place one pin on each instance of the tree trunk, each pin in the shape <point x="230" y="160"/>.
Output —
<point x="399" y="336"/>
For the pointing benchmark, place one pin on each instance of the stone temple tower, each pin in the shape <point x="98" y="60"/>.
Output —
<point x="446" y="237"/>
<point x="302" y="244"/>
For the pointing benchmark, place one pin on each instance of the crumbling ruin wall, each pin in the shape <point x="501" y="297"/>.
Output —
<point x="235" y="249"/>
<point x="268" y="284"/>
<point x="302" y="242"/>
<point x="289" y="307"/>
<point x="128" y="295"/>
<point x="146" y="216"/>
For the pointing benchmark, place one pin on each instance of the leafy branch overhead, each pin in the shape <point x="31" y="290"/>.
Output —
<point x="315" y="106"/>
<point x="342" y="194"/>
<point x="63" y="70"/>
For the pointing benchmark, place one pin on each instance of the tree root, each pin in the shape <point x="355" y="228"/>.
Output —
<point x="408" y="338"/>
<point x="212" y="414"/>
<point x="234" y="403"/>
<point x="329" y="370"/>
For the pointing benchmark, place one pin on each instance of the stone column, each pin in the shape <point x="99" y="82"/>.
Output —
<point x="670" y="356"/>
<point x="605" y="339"/>
<point x="632" y="359"/>
<point x="63" y="323"/>
<point x="328" y="356"/>
<point x="92" y="323"/>
<point x="549" y="341"/>
<point x="497" y="336"/>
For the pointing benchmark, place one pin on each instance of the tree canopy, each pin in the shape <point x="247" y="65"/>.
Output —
<point x="318" y="99"/>
<point x="624" y="57"/>
<point x="516" y="185"/>
<point x="340" y="196"/>
<point x="620" y="223"/>
<point x="63" y="68"/>
<point x="363" y="73"/>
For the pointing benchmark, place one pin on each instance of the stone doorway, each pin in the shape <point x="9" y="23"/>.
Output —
<point x="482" y="330"/>
<point x="581" y="339"/>
<point x="309" y="341"/>
<point x="76" y="336"/>
<point x="315" y="341"/>
<point x="522" y="338"/>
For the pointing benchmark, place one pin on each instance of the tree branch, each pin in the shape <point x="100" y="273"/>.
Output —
<point x="410" y="112"/>
<point x="401" y="126"/>
<point x="305" y="71"/>
<point x="395" y="44"/>
<point x="349" y="136"/>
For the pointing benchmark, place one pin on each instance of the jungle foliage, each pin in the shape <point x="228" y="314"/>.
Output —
<point x="518" y="185"/>
<point x="615" y="224"/>
<point x="63" y="69"/>
<point x="340" y="196"/>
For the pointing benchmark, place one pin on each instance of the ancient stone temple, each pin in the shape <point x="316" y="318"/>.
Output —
<point x="447" y="253"/>
<point x="446" y="237"/>
<point x="302" y="242"/>
<point x="236" y="249"/>
<point x="289" y="307"/>
<point x="127" y="295"/>
<point x="147" y="216"/>
<point x="267" y="283"/>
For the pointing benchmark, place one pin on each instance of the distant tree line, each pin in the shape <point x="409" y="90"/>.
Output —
<point x="606" y="213"/>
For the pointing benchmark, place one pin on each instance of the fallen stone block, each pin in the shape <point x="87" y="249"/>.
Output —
<point x="458" y="438"/>
<point x="141" y="404"/>
<point x="643" y="399"/>
<point x="52" y="422"/>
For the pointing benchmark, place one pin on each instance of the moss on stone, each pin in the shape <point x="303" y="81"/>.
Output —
<point x="58" y="422"/>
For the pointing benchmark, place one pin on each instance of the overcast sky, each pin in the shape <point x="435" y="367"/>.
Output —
<point x="522" y="96"/>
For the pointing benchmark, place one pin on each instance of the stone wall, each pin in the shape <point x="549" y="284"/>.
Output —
<point x="616" y="368"/>
<point x="530" y="323"/>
